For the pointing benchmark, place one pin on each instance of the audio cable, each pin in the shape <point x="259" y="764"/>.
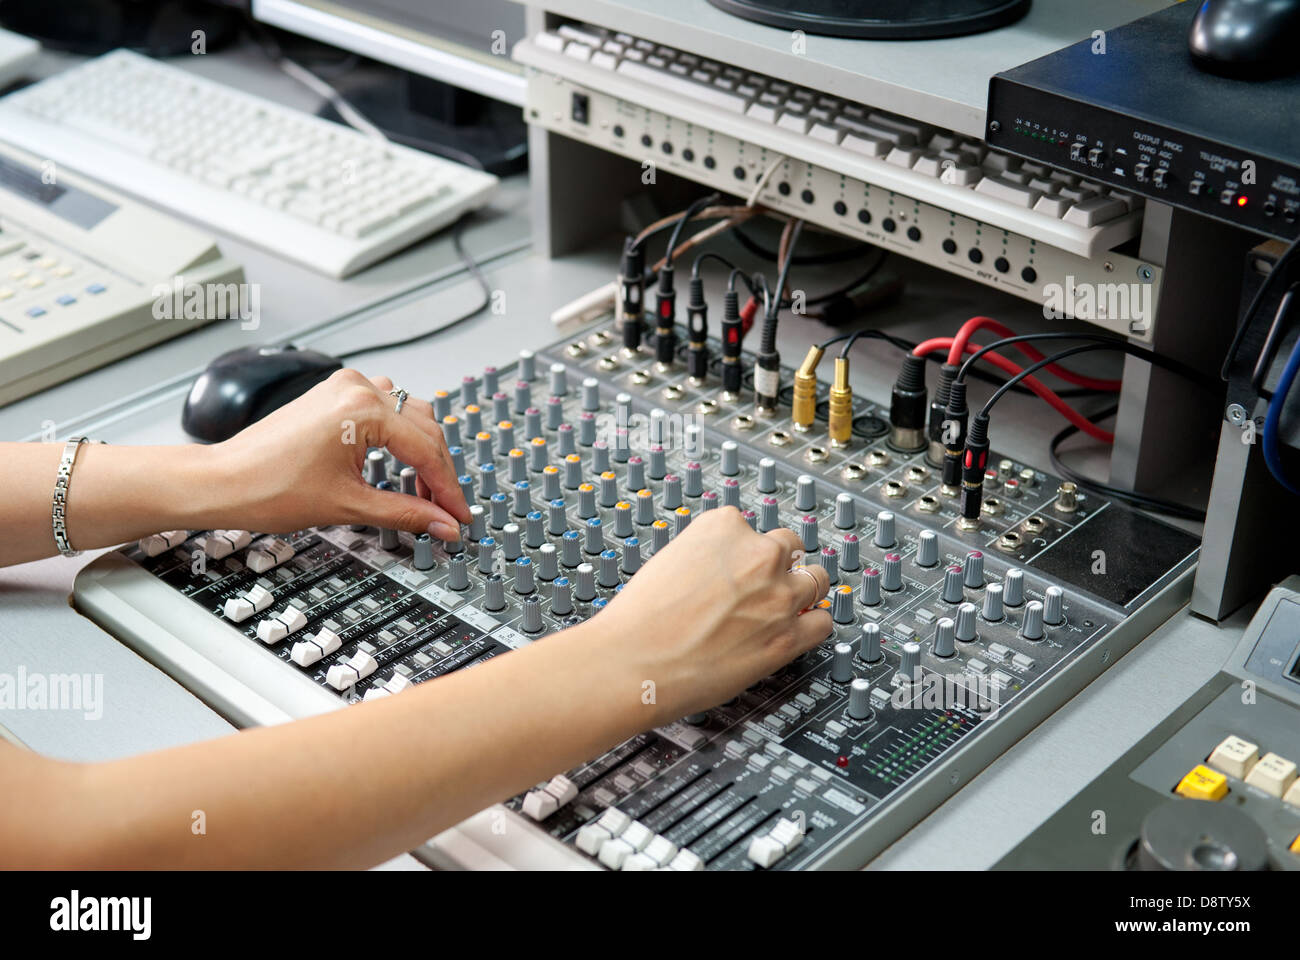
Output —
<point x="767" y="367"/>
<point x="666" y="293"/>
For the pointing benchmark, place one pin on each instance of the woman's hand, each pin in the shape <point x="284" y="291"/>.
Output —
<point x="714" y="612"/>
<point x="303" y="464"/>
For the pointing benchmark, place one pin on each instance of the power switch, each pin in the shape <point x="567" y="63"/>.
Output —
<point x="581" y="109"/>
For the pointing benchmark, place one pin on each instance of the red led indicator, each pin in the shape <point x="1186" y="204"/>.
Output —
<point x="841" y="761"/>
<point x="1241" y="201"/>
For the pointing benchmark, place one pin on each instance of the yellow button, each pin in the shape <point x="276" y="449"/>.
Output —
<point x="1202" y="783"/>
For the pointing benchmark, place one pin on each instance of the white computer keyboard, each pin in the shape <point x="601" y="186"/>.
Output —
<point x="307" y="189"/>
<point x="915" y="159"/>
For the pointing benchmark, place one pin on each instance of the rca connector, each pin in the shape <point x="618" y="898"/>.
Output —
<point x="841" y="412"/>
<point x="804" y="409"/>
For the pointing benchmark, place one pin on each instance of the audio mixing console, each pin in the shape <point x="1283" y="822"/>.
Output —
<point x="949" y="643"/>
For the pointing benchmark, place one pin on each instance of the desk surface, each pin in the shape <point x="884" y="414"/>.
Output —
<point x="144" y="709"/>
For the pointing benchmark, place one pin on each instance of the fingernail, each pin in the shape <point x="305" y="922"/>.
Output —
<point x="442" y="531"/>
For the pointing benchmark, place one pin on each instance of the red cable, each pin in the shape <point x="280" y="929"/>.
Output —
<point x="969" y="328"/>
<point x="1033" y="383"/>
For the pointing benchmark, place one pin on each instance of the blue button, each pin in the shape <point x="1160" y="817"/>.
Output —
<point x="36" y="312"/>
<point x="96" y="288"/>
<point x="66" y="300"/>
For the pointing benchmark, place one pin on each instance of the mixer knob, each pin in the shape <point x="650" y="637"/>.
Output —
<point x="441" y="404"/>
<point x="658" y="535"/>
<point x="423" y="559"/>
<point x="586" y="500"/>
<point x="622" y="519"/>
<point x="945" y="632"/>
<point x="608" y="488"/>
<point x="869" y="593"/>
<point x="869" y="643"/>
<point x="491" y="380"/>
<point x="657" y="419"/>
<point x="860" y="699"/>
<point x="561" y="598"/>
<point x="534" y="529"/>
<point x="672" y="496"/>
<point x="767" y="515"/>
<point x="572" y="471"/>
<point x="570" y="549"/>
<point x="831" y="564"/>
<point x="966" y="614"/>
<point x="842" y="604"/>
<point x="486" y="550"/>
<point x="842" y="663"/>
<point x="597" y="605"/>
<point x="891" y="572"/>
<point x="693" y="483"/>
<point x="849" y="558"/>
<point x="457" y="572"/>
<point x="1032" y="628"/>
<point x="559" y="380"/>
<point x="473" y="420"/>
<point x="554" y="413"/>
<point x="600" y="462"/>
<point x="729" y="458"/>
<point x="708" y="501"/>
<point x="469" y="390"/>
<point x="537" y="454"/>
<point x="457" y="459"/>
<point x="751" y="518"/>
<point x="523" y="397"/>
<point x="631" y="555"/>
<point x="487" y="480"/>
<point x="566" y="440"/>
<point x="525" y="582"/>
<point x="586" y="428"/>
<point x="483" y="447"/>
<point x="595" y="537"/>
<point x="477" y="523"/>
<point x="494" y="593"/>
<point x="731" y="492"/>
<point x="591" y="394"/>
<point x="498" y="511"/>
<point x="527" y="365"/>
<point x="635" y="473"/>
<point x="766" y="475"/>
<point x="551" y="482"/>
<point x="927" y="549"/>
<point x="516" y="465"/>
<point x="645" y="507"/>
<point x="501" y="409"/>
<point x="693" y="441"/>
<point x="973" y="570"/>
<point x="952" y="580"/>
<point x="523" y="504"/>
<point x="586" y="585"/>
<point x="993" y="603"/>
<point x="885" y="535"/>
<point x="376" y="467"/>
<point x="548" y="562"/>
<point x="808" y="532"/>
<point x="622" y="445"/>
<point x="805" y="494"/>
<point x="623" y="409"/>
<point x="1013" y="587"/>
<point x="532" y="424"/>
<point x="511" y="546"/>
<point x="532" y="615"/>
<point x="658" y="463"/>
<point x="909" y="666"/>
<point x="681" y="519"/>
<point x="557" y="522"/>
<point x="406" y="481"/>
<point x="845" y="513"/>
<point x="609" y="568"/>
<point x="1053" y="606"/>
<point x="1067" y="497"/>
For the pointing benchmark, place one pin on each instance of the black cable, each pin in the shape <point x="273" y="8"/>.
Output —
<point x="474" y="269"/>
<point x="1154" y="504"/>
<point x="785" y="269"/>
<point x="1271" y="343"/>
<point x="859" y="281"/>
<point x="685" y="218"/>
<point x="811" y="259"/>
<point x="1248" y="319"/>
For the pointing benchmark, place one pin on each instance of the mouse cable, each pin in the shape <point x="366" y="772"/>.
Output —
<point x="474" y="269"/>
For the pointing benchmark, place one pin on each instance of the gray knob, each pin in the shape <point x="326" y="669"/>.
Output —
<point x="966" y="614"/>
<point x="631" y="555"/>
<point x="423" y="559"/>
<point x="927" y="549"/>
<point x="657" y="418"/>
<point x="993" y="603"/>
<point x="498" y="511"/>
<point x="525" y="582"/>
<point x="457" y="572"/>
<point x="681" y="519"/>
<point x="586" y="501"/>
<point x="501" y="409"/>
<point x="622" y="519"/>
<point x="885" y="536"/>
<point x="600" y="463"/>
<point x="523" y="396"/>
<point x="860" y="699"/>
<point x="842" y="604"/>
<point x="561" y="598"/>
<point x="532" y="425"/>
<point x="557" y="522"/>
<point x="491" y="380"/>
<point x="559" y="380"/>
<point x="842" y="663"/>
<point x="805" y="495"/>
<point x="523" y="499"/>
<point x="845" y="513"/>
<point x="477" y="523"/>
<point x="952" y="582"/>
<point x="554" y="413"/>
<point x="622" y="445"/>
<point x="548" y="562"/>
<point x="483" y="447"/>
<point x="831" y="564"/>
<point x="532" y="618"/>
<point x="568" y="440"/>
<point x="1032" y="628"/>
<point x="645" y="507"/>
<point x="1054" y="606"/>
<point x="441" y="404"/>
<point x="608" y="569"/>
<point x="376" y="467"/>
<point x="487" y="548"/>
<point x="658" y="462"/>
<point x="551" y="483"/>
<point x="751" y="518"/>
<point x="388" y="539"/>
<point x="635" y="473"/>
<point x="729" y="460"/>
<point x="406" y="481"/>
<point x="466" y="488"/>
<point x="766" y="475"/>
<point x="891" y="572"/>
<point x="570" y="549"/>
<point x="505" y="437"/>
<point x="767" y="515"/>
<point x="586" y="428"/>
<point x="534" y="529"/>
<point x="731" y="492"/>
<point x="572" y="467"/>
<point x="869" y="592"/>
<point x="1013" y="587"/>
<point x="494" y="593"/>
<point x="849" y="559"/>
<point x="808" y="532"/>
<point x="487" y="480"/>
<point x="973" y="570"/>
<point x="595" y="541"/>
<point x="945" y="632"/>
<point x="693" y="483"/>
<point x="591" y="394"/>
<point x="708" y="501"/>
<point x="473" y="419"/>
<point x="672" y="496"/>
<point x="693" y="441"/>
<point x="586" y="586"/>
<point x="869" y="643"/>
<point x="527" y="364"/>
<point x="457" y="456"/>
<point x="910" y="661"/>
<point x="658" y="535"/>
<point x="511" y="544"/>
<point x="469" y="389"/>
<point x="623" y="409"/>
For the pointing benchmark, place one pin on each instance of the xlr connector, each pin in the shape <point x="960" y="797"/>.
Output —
<point x="907" y="407"/>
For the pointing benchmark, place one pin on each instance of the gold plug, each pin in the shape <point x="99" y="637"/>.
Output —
<point x="804" y="411"/>
<point x="841" y="416"/>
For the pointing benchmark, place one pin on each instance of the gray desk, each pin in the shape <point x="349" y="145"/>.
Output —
<point x="146" y="710"/>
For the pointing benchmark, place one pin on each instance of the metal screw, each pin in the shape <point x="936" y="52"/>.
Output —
<point x="1145" y="272"/>
<point x="994" y="126"/>
<point x="1236" y="414"/>
<point x="1108" y="266"/>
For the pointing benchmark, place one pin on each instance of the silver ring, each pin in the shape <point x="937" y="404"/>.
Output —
<point x="813" y="577"/>
<point x="401" y="396"/>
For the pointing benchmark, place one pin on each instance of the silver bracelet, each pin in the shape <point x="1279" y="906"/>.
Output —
<point x="59" y="509"/>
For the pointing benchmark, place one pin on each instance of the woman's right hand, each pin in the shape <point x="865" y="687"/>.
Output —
<point x="714" y="612"/>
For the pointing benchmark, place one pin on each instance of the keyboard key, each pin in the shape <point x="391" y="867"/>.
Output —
<point x="1009" y="191"/>
<point x="1095" y="210"/>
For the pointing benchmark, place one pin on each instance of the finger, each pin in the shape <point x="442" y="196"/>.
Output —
<point x="401" y="511"/>
<point x="382" y="383"/>
<point x="810" y="584"/>
<point x="408" y="443"/>
<point x="790" y="543"/>
<point x="811" y="628"/>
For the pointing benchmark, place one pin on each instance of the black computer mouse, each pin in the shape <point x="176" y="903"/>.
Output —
<point x="243" y="386"/>
<point x="1246" y="38"/>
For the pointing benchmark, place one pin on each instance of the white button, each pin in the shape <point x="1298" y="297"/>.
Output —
<point x="562" y="789"/>
<point x="867" y="146"/>
<point x="639" y="861"/>
<point x="761" y="112"/>
<point x="591" y="838"/>
<point x="788" y="834"/>
<point x="637" y="835"/>
<point x="327" y="640"/>
<point x="341" y="676"/>
<point x="271" y="631"/>
<point x="293" y="618"/>
<point x="687" y="862"/>
<point x="1273" y="774"/>
<point x="305" y="653"/>
<point x="821" y="131"/>
<point x="660" y="850"/>
<point x="614" y="852"/>
<point x="363" y="663"/>
<point x="539" y="804"/>
<point x="260" y="597"/>
<point x="614" y="820"/>
<point x="1235" y="757"/>
<point x="765" y="851"/>
<point x="376" y="693"/>
<point x="397" y="683"/>
<point x="238" y="609"/>
<point x="549" y="41"/>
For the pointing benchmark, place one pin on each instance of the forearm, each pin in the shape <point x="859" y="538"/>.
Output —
<point x="359" y="785"/>
<point x="116" y="494"/>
